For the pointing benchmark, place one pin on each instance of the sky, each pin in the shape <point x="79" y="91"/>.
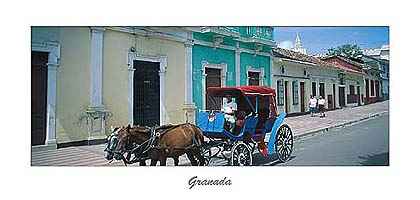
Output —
<point x="317" y="40"/>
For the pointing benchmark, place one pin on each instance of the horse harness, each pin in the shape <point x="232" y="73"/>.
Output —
<point x="153" y="143"/>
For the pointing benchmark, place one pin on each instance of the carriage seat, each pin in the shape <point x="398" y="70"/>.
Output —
<point x="250" y="123"/>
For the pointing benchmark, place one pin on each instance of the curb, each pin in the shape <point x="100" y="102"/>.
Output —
<point x="316" y="131"/>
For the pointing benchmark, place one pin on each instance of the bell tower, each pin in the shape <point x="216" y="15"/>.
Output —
<point x="298" y="47"/>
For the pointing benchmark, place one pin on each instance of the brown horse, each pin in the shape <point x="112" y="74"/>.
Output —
<point x="164" y="141"/>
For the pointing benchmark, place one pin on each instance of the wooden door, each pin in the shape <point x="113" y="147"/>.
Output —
<point x="358" y="96"/>
<point x="322" y="90"/>
<point x="213" y="79"/>
<point x="330" y="102"/>
<point x="341" y="96"/>
<point x="314" y="89"/>
<point x="39" y="75"/>
<point x="302" y="97"/>
<point x="334" y="103"/>
<point x="146" y="93"/>
<point x="367" y="91"/>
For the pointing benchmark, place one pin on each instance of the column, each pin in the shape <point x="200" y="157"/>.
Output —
<point x="96" y="111"/>
<point x="188" y="70"/>
<point x="238" y="65"/>
<point x="189" y="106"/>
<point x="96" y="62"/>
<point x="51" y="99"/>
<point x="130" y="94"/>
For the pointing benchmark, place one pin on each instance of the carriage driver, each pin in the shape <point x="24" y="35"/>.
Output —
<point x="229" y="109"/>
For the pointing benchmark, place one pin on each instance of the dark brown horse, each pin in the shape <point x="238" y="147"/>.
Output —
<point x="165" y="141"/>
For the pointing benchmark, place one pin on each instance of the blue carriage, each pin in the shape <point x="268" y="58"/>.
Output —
<point x="239" y="120"/>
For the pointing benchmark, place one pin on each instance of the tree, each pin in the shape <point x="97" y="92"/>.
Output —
<point x="347" y="50"/>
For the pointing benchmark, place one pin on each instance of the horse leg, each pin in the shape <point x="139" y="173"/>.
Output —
<point x="176" y="161"/>
<point x="163" y="161"/>
<point x="190" y="156"/>
<point x="153" y="162"/>
<point x="142" y="163"/>
<point x="199" y="156"/>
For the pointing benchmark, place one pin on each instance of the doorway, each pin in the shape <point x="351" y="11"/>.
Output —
<point x="146" y="105"/>
<point x="302" y="96"/>
<point x="213" y="79"/>
<point x="334" y="103"/>
<point x="39" y="76"/>
<point x="367" y="91"/>
<point x="314" y="89"/>
<point x="322" y="90"/>
<point x="341" y="96"/>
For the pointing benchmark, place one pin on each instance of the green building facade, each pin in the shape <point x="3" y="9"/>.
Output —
<point x="230" y="56"/>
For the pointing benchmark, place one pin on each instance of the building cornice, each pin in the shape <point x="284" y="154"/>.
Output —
<point x="221" y="46"/>
<point x="148" y="32"/>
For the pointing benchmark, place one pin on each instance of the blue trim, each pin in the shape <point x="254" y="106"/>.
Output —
<point x="273" y="135"/>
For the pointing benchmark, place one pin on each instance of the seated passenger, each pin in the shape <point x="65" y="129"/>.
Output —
<point x="229" y="109"/>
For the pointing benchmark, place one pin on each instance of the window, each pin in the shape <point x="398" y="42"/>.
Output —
<point x="253" y="78"/>
<point x="280" y="92"/>
<point x="322" y="90"/>
<point x="372" y="88"/>
<point x="342" y="79"/>
<point x="313" y="88"/>
<point x="295" y="92"/>
<point x="351" y="89"/>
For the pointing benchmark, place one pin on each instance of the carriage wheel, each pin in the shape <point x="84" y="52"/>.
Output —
<point x="206" y="153"/>
<point x="241" y="155"/>
<point x="284" y="143"/>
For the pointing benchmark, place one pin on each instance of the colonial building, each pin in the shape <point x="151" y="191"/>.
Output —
<point x="382" y="59"/>
<point x="86" y="79"/>
<point x="297" y="76"/>
<point x="378" y="70"/>
<point x="352" y="81"/>
<point x="229" y="56"/>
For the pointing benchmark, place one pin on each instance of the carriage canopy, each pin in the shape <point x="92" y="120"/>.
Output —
<point x="258" y="99"/>
<point x="241" y="90"/>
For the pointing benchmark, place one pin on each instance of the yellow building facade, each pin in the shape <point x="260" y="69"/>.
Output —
<point x="92" y="80"/>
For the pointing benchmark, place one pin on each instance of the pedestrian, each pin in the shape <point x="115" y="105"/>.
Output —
<point x="312" y="105"/>
<point x="321" y="105"/>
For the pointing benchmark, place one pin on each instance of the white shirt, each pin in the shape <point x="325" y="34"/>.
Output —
<point x="312" y="103"/>
<point x="229" y="107"/>
<point x="321" y="101"/>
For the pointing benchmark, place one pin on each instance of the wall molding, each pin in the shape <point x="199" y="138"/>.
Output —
<point x="53" y="50"/>
<point x="260" y="70"/>
<point x="223" y="74"/>
<point x="163" y="63"/>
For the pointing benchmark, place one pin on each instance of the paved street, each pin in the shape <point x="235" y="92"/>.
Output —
<point x="363" y="143"/>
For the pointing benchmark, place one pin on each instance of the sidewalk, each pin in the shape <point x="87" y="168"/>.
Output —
<point x="301" y="125"/>
<point x="305" y="124"/>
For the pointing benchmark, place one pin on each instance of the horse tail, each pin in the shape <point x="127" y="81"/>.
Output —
<point x="198" y="134"/>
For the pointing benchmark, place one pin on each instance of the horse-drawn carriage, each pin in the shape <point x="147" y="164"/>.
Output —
<point x="249" y="121"/>
<point x="255" y="122"/>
